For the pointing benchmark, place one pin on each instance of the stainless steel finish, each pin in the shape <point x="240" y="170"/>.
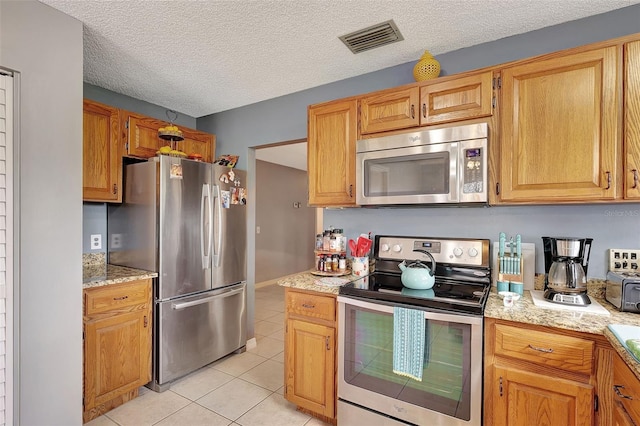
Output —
<point x="568" y="247"/>
<point x="170" y="220"/>
<point x="470" y="251"/>
<point x="452" y="141"/>
<point x="623" y="291"/>
<point x="400" y="409"/>
<point x="195" y="330"/>
<point x="353" y="415"/>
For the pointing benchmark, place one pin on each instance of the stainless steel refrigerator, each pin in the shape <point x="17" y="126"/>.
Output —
<point x="187" y="221"/>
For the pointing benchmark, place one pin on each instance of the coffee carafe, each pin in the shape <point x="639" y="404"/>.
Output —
<point x="566" y="262"/>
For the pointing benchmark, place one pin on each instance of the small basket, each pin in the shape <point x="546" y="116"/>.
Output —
<point x="426" y="68"/>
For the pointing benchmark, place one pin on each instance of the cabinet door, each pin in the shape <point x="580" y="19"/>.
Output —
<point x="460" y="99"/>
<point x="141" y="135"/>
<point x="559" y="131"/>
<point x="620" y="416"/>
<point x="310" y="366"/>
<point x="101" y="157"/>
<point x="389" y="111"/>
<point x="198" y="143"/>
<point x="331" y="150"/>
<point x="525" y="398"/>
<point x="117" y="351"/>
<point x="632" y="120"/>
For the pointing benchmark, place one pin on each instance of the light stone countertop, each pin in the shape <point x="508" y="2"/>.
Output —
<point x="97" y="275"/>
<point x="523" y="311"/>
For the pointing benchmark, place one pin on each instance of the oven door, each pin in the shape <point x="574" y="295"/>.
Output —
<point x="424" y="174"/>
<point x="450" y="392"/>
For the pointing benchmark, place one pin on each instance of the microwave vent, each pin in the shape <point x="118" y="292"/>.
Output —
<point x="372" y="37"/>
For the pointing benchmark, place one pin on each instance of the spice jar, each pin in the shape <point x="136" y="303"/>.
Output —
<point x="335" y="263"/>
<point x="325" y="240"/>
<point x="319" y="243"/>
<point x="342" y="263"/>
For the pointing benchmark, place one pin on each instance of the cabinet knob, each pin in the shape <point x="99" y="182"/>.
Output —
<point x="115" y="189"/>
<point x="635" y="178"/>
<point x="413" y="112"/>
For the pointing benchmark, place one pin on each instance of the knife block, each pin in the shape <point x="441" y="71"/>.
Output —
<point x="527" y="267"/>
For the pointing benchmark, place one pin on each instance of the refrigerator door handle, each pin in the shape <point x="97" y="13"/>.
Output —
<point x="206" y="195"/>
<point x="178" y="306"/>
<point x="218" y="247"/>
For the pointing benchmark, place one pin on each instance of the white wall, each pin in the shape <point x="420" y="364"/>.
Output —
<point x="45" y="47"/>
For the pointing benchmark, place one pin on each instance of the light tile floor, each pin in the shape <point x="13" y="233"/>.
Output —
<point x="241" y="389"/>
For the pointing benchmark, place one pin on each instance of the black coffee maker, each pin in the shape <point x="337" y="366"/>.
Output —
<point x="565" y="266"/>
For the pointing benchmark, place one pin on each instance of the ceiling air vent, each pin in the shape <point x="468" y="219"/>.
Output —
<point x="372" y="37"/>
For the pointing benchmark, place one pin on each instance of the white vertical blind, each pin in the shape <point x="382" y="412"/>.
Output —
<point x="6" y="254"/>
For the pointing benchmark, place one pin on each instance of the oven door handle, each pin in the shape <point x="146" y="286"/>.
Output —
<point x="441" y="316"/>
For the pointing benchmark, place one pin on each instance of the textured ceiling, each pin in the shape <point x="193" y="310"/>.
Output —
<point x="202" y="57"/>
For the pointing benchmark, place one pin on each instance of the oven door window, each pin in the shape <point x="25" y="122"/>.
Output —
<point x="421" y="174"/>
<point x="446" y="376"/>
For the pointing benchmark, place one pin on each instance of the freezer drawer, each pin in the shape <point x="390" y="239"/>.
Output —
<point x="194" y="331"/>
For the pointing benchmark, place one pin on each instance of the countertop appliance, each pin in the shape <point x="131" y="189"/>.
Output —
<point x="186" y="220"/>
<point x="566" y="263"/>
<point x="623" y="290"/>
<point x="450" y="392"/>
<point x="442" y="165"/>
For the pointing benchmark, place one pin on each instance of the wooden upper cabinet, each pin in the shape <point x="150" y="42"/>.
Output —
<point x="389" y="110"/>
<point x="458" y="99"/>
<point x="559" y="138"/>
<point x="140" y="134"/>
<point x="198" y="143"/>
<point x="331" y="150"/>
<point x="632" y="120"/>
<point x="101" y="156"/>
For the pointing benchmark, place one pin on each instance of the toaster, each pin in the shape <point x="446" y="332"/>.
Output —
<point x="623" y="290"/>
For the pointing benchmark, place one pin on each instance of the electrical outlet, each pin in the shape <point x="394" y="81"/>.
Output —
<point x="257" y="229"/>
<point x="96" y="241"/>
<point x="624" y="260"/>
<point x="116" y="241"/>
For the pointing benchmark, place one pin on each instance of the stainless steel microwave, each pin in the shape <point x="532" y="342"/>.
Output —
<point x="447" y="165"/>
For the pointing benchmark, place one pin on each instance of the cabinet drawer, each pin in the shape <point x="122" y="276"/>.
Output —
<point x="626" y="388"/>
<point x="112" y="297"/>
<point x="311" y="305"/>
<point x="547" y="349"/>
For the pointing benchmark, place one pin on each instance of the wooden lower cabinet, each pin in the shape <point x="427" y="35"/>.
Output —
<point x="538" y="375"/>
<point x="310" y="353"/>
<point x="626" y="394"/>
<point x="117" y="345"/>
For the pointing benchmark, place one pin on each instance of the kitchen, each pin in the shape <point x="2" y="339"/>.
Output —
<point x="607" y="223"/>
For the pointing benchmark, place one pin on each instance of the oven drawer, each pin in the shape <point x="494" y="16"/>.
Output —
<point x="311" y="305"/>
<point x="547" y="349"/>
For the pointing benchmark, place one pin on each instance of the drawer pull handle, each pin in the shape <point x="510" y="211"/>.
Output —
<point x="608" y="180"/>
<point x="547" y="351"/>
<point x="617" y="388"/>
<point x="413" y="112"/>
<point x="308" y="306"/>
<point x="635" y="178"/>
<point x="121" y="298"/>
<point x="424" y="110"/>
<point x="327" y="343"/>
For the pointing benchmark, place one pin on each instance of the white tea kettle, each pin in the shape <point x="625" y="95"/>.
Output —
<point x="417" y="275"/>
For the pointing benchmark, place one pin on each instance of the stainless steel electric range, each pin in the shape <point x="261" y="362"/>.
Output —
<point x="450" y="389"/>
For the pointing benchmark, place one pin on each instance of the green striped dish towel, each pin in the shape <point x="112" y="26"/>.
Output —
<point x="408" y="342"/>
<point x="628" y="336"/>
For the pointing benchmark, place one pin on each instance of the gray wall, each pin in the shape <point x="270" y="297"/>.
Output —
<point x="45" y="46"/>
<point x="285" y="243"/>
<point x="94" y="221"/>
<point x="285" y="118"/>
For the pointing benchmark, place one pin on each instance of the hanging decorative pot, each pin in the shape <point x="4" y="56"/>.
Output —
<point x="426" y="68"/>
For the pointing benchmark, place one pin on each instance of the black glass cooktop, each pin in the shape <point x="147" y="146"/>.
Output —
<point x="446" y="294"/>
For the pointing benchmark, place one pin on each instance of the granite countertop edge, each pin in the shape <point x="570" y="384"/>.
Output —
<point x="103" y="275"/>
<point x="524" y="311"/>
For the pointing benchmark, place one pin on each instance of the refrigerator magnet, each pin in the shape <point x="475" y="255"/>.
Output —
<point x="226" y="197"/>
<point x="232" y="175"/>
<point x="224" y="178"/>
<point x="175" y="171"/>
<point x="234" y="195"/>
<point x="242" y="195"/>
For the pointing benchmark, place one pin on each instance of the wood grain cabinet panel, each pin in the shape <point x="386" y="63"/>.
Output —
<point x="117" y="345"/>
<point x="140" y="135"/>
<point x="389" y="110"/>
<point x="457" y="99"/>
<point x="559" y="138"/>
<point x="632" y="120"/>
<point x="196" y="142"/>
<point x="331" y="153"/>
<point x="101" y="156"/>
<point x="626" y="387"/>
<point x="310" y="353"/>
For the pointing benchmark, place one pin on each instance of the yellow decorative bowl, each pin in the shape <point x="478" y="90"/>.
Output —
<point x="426" y="68"/>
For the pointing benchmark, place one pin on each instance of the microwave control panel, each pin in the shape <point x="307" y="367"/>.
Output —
<point x="473" y="167"/>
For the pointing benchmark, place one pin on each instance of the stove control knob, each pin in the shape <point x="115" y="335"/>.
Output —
<point x="397" y="248"/>
<point x="457" y="252"/>
<point x="638" y="306"/>
<point x="473" y="252"/>
<point x="384" y="247"/>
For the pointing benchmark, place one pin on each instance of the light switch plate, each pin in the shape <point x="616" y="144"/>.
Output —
<point x="624" y="260"/>
<point x="96" y="241"/>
